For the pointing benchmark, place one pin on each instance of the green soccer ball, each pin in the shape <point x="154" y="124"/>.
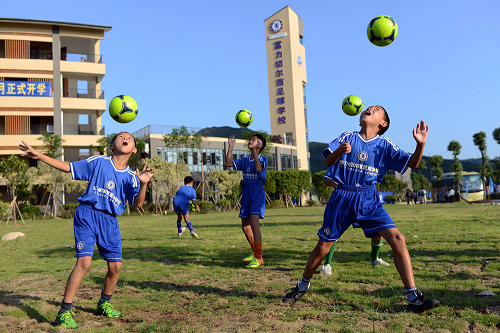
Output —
<point x="244" y="118"/>
<point x="382" y="30"/>
<point x="352" y="105"/>
<point x="123" y="109"/>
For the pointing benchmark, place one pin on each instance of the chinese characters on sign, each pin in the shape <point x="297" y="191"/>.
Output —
<point x="280" y="80"/>
<point x="25" y="88"/>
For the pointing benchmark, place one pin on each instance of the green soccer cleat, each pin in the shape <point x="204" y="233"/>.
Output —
<point x="255" y="263"/>
<point x="65" y="319"/>
<point x="249" y="258"/>
<point x="108" y="310"/>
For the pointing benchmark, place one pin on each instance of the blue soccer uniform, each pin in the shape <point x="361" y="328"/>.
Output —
<point x="182" y="198"/>
<point x="95" y="218"/>
<point x="253" y="200"/>
<point x="356" y="199"/>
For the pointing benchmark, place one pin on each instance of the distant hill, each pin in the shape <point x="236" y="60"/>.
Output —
<point x="224" y="132"/>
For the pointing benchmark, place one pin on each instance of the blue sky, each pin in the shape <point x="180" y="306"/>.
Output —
<point x="207" y="60"/>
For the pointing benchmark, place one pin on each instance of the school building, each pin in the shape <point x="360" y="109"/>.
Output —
<point x="50" y="81"/>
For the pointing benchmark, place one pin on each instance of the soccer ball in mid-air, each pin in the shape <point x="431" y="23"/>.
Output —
<point x="244" y="118"/>
<point x="352" y="105"/>
<point x="382" y="30"/>
<point x="123" y="109"/>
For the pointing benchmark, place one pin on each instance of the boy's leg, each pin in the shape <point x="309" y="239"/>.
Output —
<point x="75" y="278"/>
<point x="376" y="243"/>
<point x="327" y="268"/>
<point x="190" y="226"/>
<point x="247" y="230"/>
<point x="104" y="306"/>
<point x="180" y="228"/>
<point x="402" y="259"/>
<point x="257" y="238"/>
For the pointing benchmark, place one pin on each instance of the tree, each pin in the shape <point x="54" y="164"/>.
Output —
<point x="304" y="184"/>
<point x="270" y="185"/>
<point x="180" y="138"/>
<point x="419" y="182"/>
<point x="435" y="162"/>
<point x="421" y="166"/>
<point x="479" y="140"/>
<point x="455" y="147"/>
<point x="52" y="145"/>
<point x="12" y="169"/>
<point x="286" y="184"/>
<point x="224" y="181"/>
<point x="496" y="135"/>
<point x="323" y="191"/>
<point x="392" y="184"/>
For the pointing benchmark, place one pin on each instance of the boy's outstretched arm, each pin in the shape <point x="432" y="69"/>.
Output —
<point x="420" y="136"/>
<point x="36" y="155"/>
<point x="329" y="182"/>
<point x="230" y="142"/>
<point x="144" y="178"/>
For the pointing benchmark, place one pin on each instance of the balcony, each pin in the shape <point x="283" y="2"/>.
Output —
<point x="65" y="56"/>
<point x="83" y="93"/>
<point x="81" y="129"/>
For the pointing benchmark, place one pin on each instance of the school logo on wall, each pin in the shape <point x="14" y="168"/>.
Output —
<point x="80" y="245"/>
<point x="110" y="185"/>
<point x="328" y="231"/>
<point x="363" y="156"/>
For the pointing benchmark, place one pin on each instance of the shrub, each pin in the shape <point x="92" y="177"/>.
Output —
<point x="390" y="199"/>
<point x="311" y="203"/>
<point x="30" y="212"/>
<point x="224" y="204"/>
<point x="4" y="208"/>
<point x="276" y="204"/>
<point x="205" y="206"/>
<point x="70" y="209"/>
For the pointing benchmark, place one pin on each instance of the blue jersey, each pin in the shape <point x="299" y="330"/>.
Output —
<point x="187" y="193"/>
<point x="108" y="187"/>
<point x="330" y="173"/>
<point x="250" y="175"/>
<point x="368" y="160"/>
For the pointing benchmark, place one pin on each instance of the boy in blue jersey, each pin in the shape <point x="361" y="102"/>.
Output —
<point x="253" y="199"/>
<point x="361" y="160"/>
<point x="111" y="183"/>
<point x="376" y="242"/>
<point x="181" y="205"/>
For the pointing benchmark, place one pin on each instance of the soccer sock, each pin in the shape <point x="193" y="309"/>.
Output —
<point x="304" y="283"/>
<point x="329" y="256"/>
<point x="65" y="307"/>
<point x="375" y="250"/>
<point x="179" y="225"/>
<point x="104" y="298"/>
<point x="190" y="225"/>
<point x="258" y="250"/>
<point x="252" y="245"/>
<point x="410" y="293"/>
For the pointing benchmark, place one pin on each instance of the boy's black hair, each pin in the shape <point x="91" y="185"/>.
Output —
<point x="261" y="138"/>
<point x="114" y="138"/>
<point x="188" y="179"/>
<point x="386" y="118"/>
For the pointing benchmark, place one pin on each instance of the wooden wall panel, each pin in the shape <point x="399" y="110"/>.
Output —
<point x="16" y="125"/>
<point x="17" y="49"/>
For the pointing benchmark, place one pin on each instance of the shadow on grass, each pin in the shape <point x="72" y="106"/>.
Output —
<point x="9" y="299"/>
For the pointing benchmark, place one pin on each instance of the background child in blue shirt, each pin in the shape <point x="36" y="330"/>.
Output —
<point x="111" y="184"/>
<point x="181" y="205"/>
<point x="253" y="198"/>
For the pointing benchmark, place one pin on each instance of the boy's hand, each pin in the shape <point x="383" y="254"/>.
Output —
<point x="345" y="148"/>
<point x="257" y="146"/>
<point x="29" y="151"/>
<point x="145" y="175"/>
<point x="420" y="133"/>
<point x="231" y="141"/>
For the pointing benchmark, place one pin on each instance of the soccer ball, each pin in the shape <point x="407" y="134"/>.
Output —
<point x="382" y="30"/>
<point x="244" y="118"/>
<point x="123" y="109"/>
<point x="352" y="105"/>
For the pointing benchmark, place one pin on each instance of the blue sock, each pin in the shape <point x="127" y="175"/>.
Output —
<point x="179" y="224"/>
<point x="410" y="293"/>
<point x="190" y="225"/>
<point x="304" y="283"/>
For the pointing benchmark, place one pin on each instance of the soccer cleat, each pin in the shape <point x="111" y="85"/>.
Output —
<point x="255" y="263"/>
<point x="249" y="258"/>
<point x="421" y="304"/>
<point x="182" y="230"/>
<point x="65" y="319"/>
<point x="108" y="310"/>
<point x="326" y="269"/>
<point x="379" y="262"/>
<point x="294" y="294"/>
<point x="194" y="235"/>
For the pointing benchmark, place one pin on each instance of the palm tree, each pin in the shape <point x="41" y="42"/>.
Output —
<point x="479" y="140"/>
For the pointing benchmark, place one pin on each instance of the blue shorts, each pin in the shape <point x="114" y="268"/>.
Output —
<point x="93" y="226"/>
<point x="181" y="205"/>
<point x="349" y="205"/>
<point x="253" y="201"/>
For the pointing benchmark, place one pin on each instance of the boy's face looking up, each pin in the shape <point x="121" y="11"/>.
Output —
<point x="124" y="143"/>
<point x="254" y="142"/>
<point x="373" y="116"/>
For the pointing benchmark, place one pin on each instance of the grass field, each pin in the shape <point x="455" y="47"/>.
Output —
<point x="172" y="284"/>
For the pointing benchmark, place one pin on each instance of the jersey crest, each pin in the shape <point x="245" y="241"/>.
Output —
<point x="110" y="185"/>
<point x="363" y="156"/>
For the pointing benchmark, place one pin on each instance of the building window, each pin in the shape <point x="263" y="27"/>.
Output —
<point x="301" y="40"/>
<point x="289" y="138"/>
<point x="305" y="117"/>
<point x="271" y="161"/>
<point x="307" y="141"/>
<point x="295" y="163"/>
<point x="286" y="162"/>
<point x="304" y="92"/>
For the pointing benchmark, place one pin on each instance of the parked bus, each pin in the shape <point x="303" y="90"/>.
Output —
<point x="474" y="185"/>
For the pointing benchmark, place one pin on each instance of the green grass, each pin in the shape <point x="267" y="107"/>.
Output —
<point x="172" y="284"/>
